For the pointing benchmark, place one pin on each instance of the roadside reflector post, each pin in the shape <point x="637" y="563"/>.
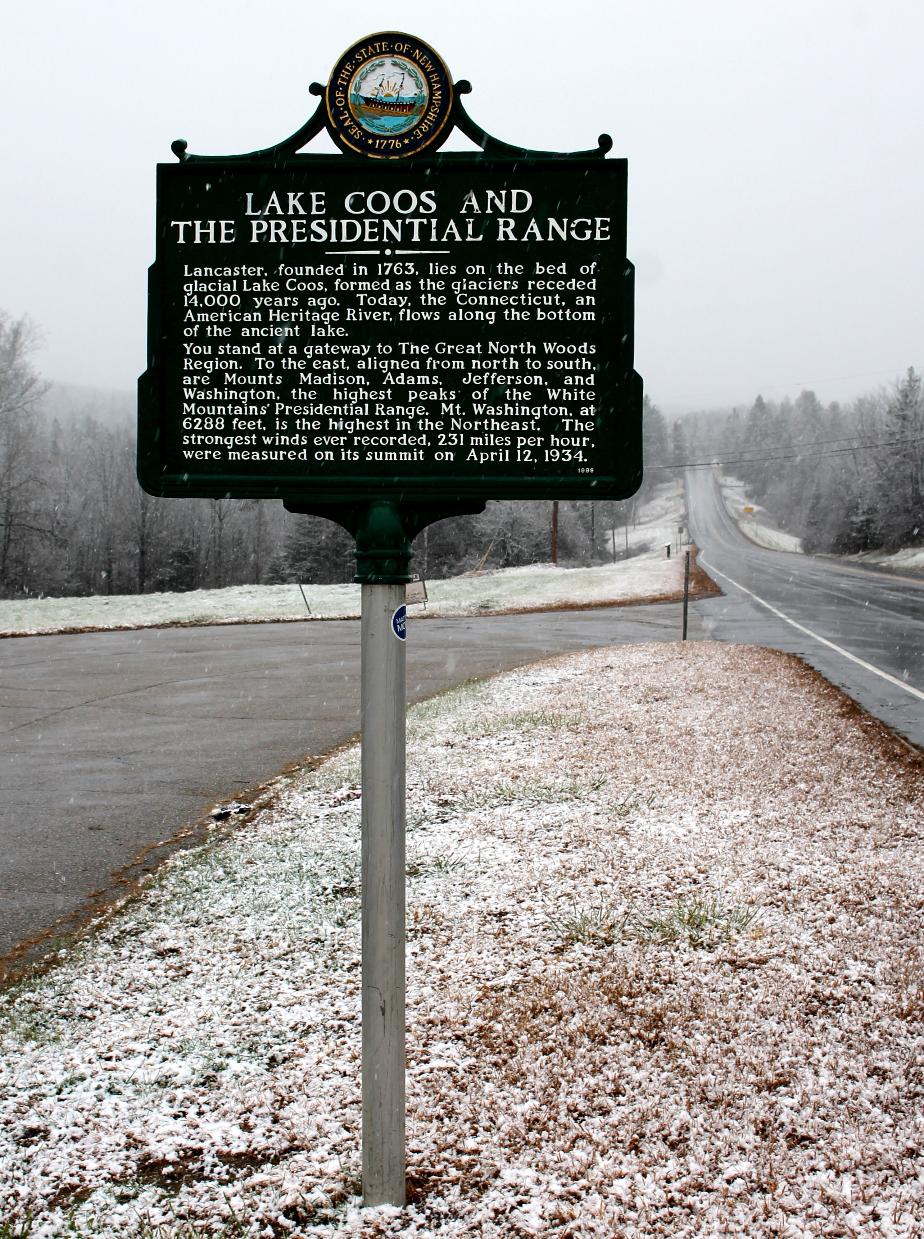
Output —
<point x="686" y="592"/>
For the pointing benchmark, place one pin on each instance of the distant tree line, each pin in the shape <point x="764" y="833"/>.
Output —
<point x="843" y="479"/>
<point x="73" y="519"/>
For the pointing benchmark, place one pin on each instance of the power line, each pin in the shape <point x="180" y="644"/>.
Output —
<point x="700" y="406"/>
<point x="754" y="460"/>
<point x="856" y="438"/>
<point x="850" y="443"/>
<point x="808" y="384"/>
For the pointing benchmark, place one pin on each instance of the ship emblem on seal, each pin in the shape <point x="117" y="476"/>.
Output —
<point x="389" y="97"/>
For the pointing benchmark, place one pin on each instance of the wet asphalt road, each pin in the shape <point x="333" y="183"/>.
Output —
<point x="110" y="742"/>
<point x="874" y="619"/>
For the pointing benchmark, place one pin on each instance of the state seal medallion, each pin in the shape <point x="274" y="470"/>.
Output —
<point x="389" y="97"/>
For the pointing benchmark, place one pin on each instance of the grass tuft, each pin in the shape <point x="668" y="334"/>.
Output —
<point x="701" y="923"/>
<point x="601" y="925"/>
<point x="631" y="804"/>
<point x="188" y="1230"/>
<point x="442" y="862"/>
<point x="447" y="863"/>
<point x="908" y="984"/>
<point x="522" y="720"/>
<point x="11" y="1229"/>
<point x="528" y="791"/>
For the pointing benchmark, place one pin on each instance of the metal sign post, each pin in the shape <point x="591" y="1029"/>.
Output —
<point x="383" y="869"/>
<point x="383" y="532"/>
<point x="387" y="337"/>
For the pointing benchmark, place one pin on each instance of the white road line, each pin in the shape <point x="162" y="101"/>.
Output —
<point x="909" y="688"/>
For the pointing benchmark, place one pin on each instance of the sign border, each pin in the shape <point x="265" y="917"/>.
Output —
<point x="422" y="488"/>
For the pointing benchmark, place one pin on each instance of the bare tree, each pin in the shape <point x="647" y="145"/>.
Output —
<point x="20" y="391"/>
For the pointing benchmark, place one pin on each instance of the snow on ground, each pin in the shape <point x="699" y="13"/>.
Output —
<point x="755" y="524"/>
<point x="665" y="956"/>
<point x="909" y="559"/>
<point x="645" y="575"/>
<point x="656" y="524"/>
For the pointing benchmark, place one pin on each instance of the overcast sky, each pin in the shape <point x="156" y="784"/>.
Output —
<point x="776" y="162"/>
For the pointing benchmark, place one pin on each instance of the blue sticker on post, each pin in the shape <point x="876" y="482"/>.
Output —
<point x="399" y="623"/>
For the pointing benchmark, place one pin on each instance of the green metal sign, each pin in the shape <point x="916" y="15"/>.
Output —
<point x="392" y="324"/>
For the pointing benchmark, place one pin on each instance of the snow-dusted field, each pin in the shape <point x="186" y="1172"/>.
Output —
<point x="910" y="559"/>
<point x="646" y="575"/>
<point x="664" y="979"/>
<point x="755" y="526"/>
<point x="755" y="523"/>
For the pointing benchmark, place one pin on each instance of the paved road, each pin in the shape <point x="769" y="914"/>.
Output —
<point x="862" y="629"/>
<point x="110" y="742"/>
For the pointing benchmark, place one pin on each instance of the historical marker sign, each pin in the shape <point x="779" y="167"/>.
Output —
<point x="385" y="337"/>
<point x="445" y="327"/>
<point x="433" y="328"/>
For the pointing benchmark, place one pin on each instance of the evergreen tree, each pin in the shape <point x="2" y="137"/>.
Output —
<point x="902" y="510"/>
<point x="315" y="551"/>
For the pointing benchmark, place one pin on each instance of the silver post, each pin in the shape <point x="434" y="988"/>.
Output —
<point x="686" y="592"/>
<point x="383" y="868"/>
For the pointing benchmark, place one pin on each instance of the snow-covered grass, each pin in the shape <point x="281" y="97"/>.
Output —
<point x="755" y="523"/>
<point x="645" y="575"/>
<point x="665" y="956"/>
<point x="757" y="526"/>
<point x="909" y="559"/>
